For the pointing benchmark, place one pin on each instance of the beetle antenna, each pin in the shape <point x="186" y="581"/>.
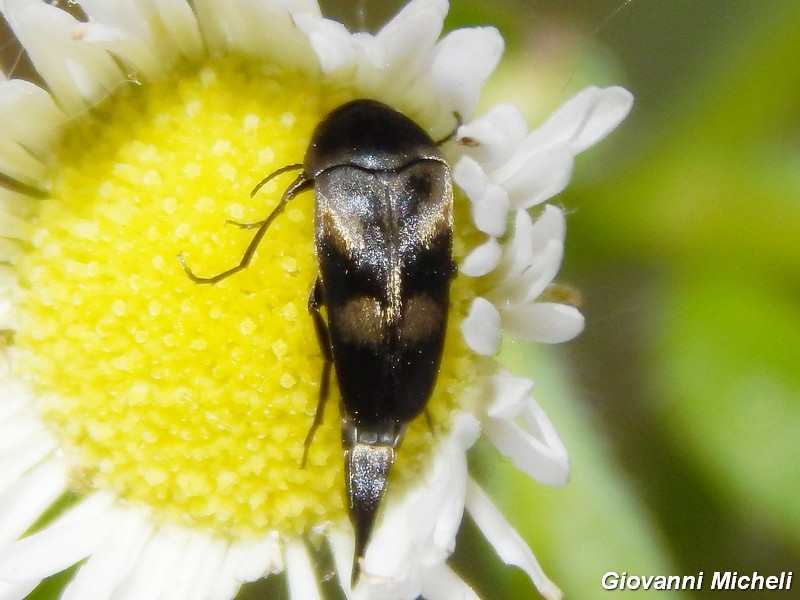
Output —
<point x="298" y="185"/>
<point x="273" y="175"/>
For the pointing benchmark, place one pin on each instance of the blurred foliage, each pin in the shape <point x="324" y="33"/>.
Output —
<point x="680" y="403"/>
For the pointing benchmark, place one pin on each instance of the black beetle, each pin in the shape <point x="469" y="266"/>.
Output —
<point x="383" y="226"/>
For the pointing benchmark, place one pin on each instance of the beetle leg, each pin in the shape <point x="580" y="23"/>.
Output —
<point x="301" y="183"/>
<point x="452" y="134"/>
<point x="314" y="302"/>
<point x="271" y="176"/>
<point x="244" y="225"/>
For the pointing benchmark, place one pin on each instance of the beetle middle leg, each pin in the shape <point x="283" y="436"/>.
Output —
<point x="314" y="302"/>
<point x="301" y="183"/>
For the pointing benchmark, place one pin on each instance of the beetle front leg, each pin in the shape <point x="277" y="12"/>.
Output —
<point x="314" y="302"/>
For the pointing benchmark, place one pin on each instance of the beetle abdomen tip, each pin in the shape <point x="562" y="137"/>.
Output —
<point x="367" y="468"/>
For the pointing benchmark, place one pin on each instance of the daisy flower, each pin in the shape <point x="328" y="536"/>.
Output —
<point x="151" y="429"/>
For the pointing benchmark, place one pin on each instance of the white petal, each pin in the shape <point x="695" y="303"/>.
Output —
<point x="551" y="225"/>
<point x="29" y="497"/>
<point x="490" y="212"/>
<point x="535" y="448"/>
<point x="29" y="116"/>
<point x="603" y="110"/>
<point x="542" y="274"/>
<point x="508" y="544"/>
<point x="418" y="528"/>
<point x="244" y="562"/>
<point x="522" y="248"/>
<point x="195" y="570"/>
<point x="367" y="71"/>
<point x="19" y="429"/>
<point x="497" y="134"/>
<point x="524" y="288"/>
<point x="70" y="539"/>
<point x="169" y="27"/>
<point x="150" y="575"/>
<point x="19" y="459"/>
<point x="16" y="398"/>
<point x="16" y="204"/>
<point x="409" y="38"/>
<point x="259" y="558"/>
<point x="16" y="591"/>
<point x="330" y="40"/>
<point x="469" y="176"/>
<point x="179" y="24"/>
<point x="439" y="509"/>
<point x="262" y="28"/>
<point x="208" y="569"/>
<point x="465" y="432"/>
<point x="123" y="15"/>
<point x="583" y="120"/>
<point x="537" y="423"/>
<point x="509" y="395"/>
<point x="544" y="322"/>
<point x="538" y="178"/>
<point x="482" y="259"/>
<point x="300" y="574"/>
<point x="442" y="584"/>
<point x="543" y="164"/>
<point x="610" y="110"/>
<point x="10" y="226"/>
<point x="77" y="73"/>
<point x="226" y="584"/>
<point x="531" y="260"/>
<point x="302" y="7"/>
<point x="481" y="328"/>
<point x="342" y="548"/>
<point x="132" y="50"/>
<point x="462" y="61"/>
<point x="489" y="202"/>
<point x="112" y="561"/>
<point x="19" y="164"/>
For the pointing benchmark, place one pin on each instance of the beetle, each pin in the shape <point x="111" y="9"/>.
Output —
<point x="383" y="226"/>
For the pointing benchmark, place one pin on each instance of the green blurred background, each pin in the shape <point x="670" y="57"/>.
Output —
<point x="680" y="403"/>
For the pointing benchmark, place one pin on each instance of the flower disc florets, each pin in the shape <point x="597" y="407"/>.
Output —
<point x="192" y="400"/>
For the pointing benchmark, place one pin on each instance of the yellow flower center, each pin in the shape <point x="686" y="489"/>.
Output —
<point x="195" y="400"/>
